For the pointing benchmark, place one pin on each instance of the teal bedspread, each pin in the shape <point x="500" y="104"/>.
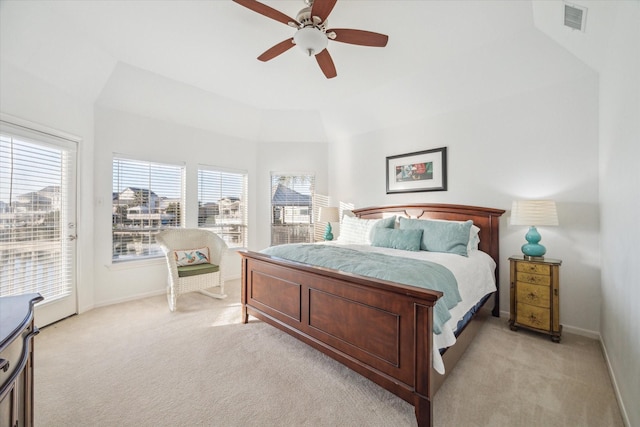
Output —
<point x="423" y="274"/>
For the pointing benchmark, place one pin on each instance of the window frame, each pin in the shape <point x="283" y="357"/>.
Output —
<point x="287" y="231"/>
<point x="153" y="249"/>
<point x="243" y="205"/>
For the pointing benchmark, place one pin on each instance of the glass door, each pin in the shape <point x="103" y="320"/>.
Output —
<point x="37" y="219"/>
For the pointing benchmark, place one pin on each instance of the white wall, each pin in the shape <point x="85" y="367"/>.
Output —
<point x="29" y="98"/>
<point x="620" y="204"/>
<point x="539" y="144"/>
<point x="162" y="141"/>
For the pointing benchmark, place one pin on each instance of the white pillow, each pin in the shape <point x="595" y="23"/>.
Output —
<point x="474" y="238"/>
<point x="356" y="231"/>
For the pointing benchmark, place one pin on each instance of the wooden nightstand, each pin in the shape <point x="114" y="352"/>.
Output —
<point x="535" y="295"/>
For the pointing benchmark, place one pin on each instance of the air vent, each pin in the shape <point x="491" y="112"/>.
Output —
<point x="575" y="16"/>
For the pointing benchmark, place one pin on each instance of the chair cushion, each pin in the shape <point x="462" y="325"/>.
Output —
<point x="194" y="270"/>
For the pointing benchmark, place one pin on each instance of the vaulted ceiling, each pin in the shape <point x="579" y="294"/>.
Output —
<point x="194" y="62"/>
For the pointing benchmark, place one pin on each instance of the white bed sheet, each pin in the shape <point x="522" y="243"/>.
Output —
<point x="475" y="277"/>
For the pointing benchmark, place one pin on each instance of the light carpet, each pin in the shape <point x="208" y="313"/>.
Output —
<point x="137" y="364"/>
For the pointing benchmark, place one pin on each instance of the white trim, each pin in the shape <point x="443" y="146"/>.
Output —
<point x="293" y="173"/>
<point x="144" y="158"/>
<point x="614" y="383"/>
<point x="127" y="299"/>
<point x="221" y="169"/>
<point x="35" y="127"/>
<point x="582" y="332"/>
<point x="136" y="263"/>
<point x="140" y="296"/>
<point x="565" y="328"/>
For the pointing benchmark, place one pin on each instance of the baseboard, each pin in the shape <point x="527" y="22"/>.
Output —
<point x="566" y="328"/>
<point x="614" y="383"/>
<point x="583" y="332"/>
<point x="142" y="295"/>
<point x="131" y="298"/>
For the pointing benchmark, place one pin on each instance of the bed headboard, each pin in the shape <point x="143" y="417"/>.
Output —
<point x="487" y="219"/>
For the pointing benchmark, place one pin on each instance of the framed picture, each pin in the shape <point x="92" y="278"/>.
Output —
<point x="419" y="171"/>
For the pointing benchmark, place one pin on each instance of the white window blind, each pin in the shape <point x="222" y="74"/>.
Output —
<point x="292" y="216"/>
<point x="147" y="197"/>
<point x="35" y="253"/>
<point x="222" y="204"/>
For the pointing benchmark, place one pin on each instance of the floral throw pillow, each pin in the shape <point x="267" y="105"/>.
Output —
<point x="191" y="256"/>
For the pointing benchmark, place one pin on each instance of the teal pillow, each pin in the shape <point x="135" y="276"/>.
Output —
<point x="407" y="240"/>
<point x="386" y="222"/>
<point x="441" y="236"/>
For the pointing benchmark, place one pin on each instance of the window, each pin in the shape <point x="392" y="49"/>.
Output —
<point x="292" y="208"/>
<point x="222" y="204"/>
<point x="37" y="213"/>
<point x="147" y="197"/>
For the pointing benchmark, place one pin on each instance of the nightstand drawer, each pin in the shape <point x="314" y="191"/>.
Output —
<point x="535" y="295"/>
<point x="534" y="317"/>
<point x="527" y="267"/>
<point x="536" y="279"/>
<point x="539" y="296"/>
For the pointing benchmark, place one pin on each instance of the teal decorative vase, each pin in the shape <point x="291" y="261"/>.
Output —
<point x="532" y="247"/>
<point x="327" y="233"/>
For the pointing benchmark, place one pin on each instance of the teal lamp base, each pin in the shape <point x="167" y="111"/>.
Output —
<point x="532" y="249"/>
<point x="327" y="233"/>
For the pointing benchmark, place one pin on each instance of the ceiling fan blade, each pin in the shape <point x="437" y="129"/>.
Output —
<point x="322" y="8"/>
<point x="276" y="50"/>
<point x="359" y="37"/>
<point x="267" y="11"/>
<point x="326" y="64"/>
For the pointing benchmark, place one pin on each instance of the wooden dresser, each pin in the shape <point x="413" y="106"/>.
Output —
<point x="16" y="359"/>
<point x="535" y="295"/>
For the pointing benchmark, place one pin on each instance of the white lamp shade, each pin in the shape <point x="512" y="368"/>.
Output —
<point x="328" y="214"/>
<point x="534" y="212"/>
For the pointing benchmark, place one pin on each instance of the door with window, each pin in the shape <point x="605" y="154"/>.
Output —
<point x="37" y="219"/>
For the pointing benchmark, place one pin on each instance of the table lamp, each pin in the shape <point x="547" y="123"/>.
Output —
<point x="533" y="213"/>
<point x="328" y="215"/>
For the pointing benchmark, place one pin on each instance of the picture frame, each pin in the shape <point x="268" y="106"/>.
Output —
<point x="419" y="171"/>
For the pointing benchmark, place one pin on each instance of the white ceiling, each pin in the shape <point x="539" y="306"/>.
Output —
<point x="194" y="62"/>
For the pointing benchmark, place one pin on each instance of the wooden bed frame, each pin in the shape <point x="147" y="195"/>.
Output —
<point x="380" y="329"/>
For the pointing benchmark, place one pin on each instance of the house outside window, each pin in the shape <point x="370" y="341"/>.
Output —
<point x="222" y="204"/>
<point x="147" y="198"/>
<point x="292" y="208"/>
<point x="37" y="213"/>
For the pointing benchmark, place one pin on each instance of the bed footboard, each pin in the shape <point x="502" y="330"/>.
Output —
<point x="379" y="329"/>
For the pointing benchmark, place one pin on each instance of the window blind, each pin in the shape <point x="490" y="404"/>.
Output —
<point x="36" y="212"/>
<point x="222" y="204"/>
<point x="292" y="208"/>
<point x="147" y="197"/>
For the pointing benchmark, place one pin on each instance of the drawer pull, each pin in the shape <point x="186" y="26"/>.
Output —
<point x="533" y="319"/>
<point x="4" y="365"/>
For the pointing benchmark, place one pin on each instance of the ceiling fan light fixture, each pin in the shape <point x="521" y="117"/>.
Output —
<point x="311" y="40"/>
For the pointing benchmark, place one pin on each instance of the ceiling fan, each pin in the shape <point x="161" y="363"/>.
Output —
<point x="312" y="34"/>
